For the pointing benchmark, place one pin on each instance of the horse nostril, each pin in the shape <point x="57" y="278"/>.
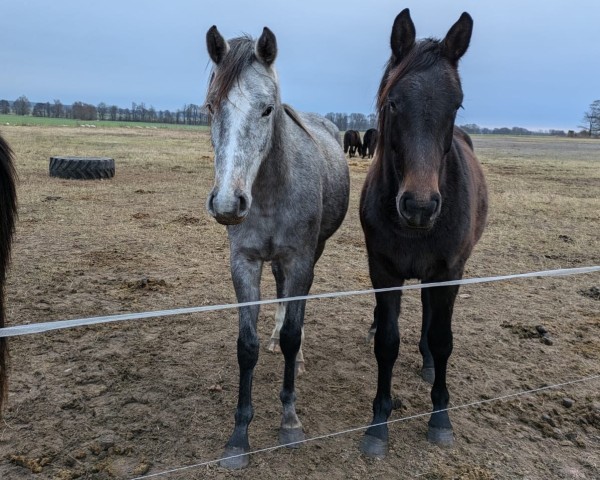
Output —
<point x="243" y="204"/>
<point x="209" y="203"/>
<point x="437" y="202"/>
<point x="406" y="204"/>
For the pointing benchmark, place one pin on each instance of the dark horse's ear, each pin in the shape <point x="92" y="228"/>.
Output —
<point x="217" y="46"/>
<point x="458" y="38"/>
<point x="403" y="35"/>
<point x="266" y="47"/>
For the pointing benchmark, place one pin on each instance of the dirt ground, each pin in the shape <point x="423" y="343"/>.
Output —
<point x="139" y="398"/>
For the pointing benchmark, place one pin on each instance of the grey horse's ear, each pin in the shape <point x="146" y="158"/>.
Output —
<point x="266" y="47"/>
<point x="217" y="46"/>
<point x="403" y="35"/>
<point x="458" y="38"/>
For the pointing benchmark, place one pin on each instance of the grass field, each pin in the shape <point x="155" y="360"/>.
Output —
<point x="18" y="120"/>
<point x="126" y="399"/>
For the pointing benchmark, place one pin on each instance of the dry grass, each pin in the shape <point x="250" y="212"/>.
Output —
<point x="143" y="241"/>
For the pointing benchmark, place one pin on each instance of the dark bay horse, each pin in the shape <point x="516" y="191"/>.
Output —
<point x="423" y="208"/>
<point x="352" y="143"/>
<point x="281" y="187"/>
<point x="369" y="143"/>
<point x="8" y="215"/>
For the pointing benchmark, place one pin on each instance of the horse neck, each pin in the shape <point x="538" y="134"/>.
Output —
<point x="275" y="167"/>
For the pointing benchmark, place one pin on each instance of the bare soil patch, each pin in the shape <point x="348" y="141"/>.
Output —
<point x="134" y="398"/>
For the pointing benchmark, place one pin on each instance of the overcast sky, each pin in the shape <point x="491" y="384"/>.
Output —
<point x="534" y="64"/>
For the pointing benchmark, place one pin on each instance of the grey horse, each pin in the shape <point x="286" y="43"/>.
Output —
<point x="281" y="187"/>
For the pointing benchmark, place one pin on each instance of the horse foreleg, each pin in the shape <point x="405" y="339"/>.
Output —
<point x="439" y="336"/>
<point x="387" y="344"/>
<point x="298" y="282"/>
<point x="427" y="370"/>
<point x="246" y="280"/>
<point x="277" y="270"/>
<point x="274" y="340"/>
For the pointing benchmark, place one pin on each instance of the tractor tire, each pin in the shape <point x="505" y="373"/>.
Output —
<point x="82" y="168"/>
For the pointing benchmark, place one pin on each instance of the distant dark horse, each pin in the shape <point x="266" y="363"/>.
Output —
<point x="281" y="187"/>
<point x="352" y="143"/>
<point x="369" y="143"/>
<point x="8" y="214"/>
<point x="423" y="208"/>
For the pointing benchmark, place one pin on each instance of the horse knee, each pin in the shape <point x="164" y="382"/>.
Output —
<point x="387" y="346"/>
<point x="290" y="338"/>
<point x="247" y="350"/>
<point x="440" y="343"/>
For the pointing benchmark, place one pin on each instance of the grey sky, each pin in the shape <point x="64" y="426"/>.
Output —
<point x="534" y="64"/>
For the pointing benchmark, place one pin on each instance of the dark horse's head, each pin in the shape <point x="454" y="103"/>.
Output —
<point x="418" y="98"/>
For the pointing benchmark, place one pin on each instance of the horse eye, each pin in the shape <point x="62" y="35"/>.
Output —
<point x="209" y="107"/>
<point x="393" y="106"/>
<point x="267" y="111"/>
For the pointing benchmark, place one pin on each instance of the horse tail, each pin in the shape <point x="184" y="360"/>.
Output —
<point x="8" y="216"/>
<point x="346" y="141"/>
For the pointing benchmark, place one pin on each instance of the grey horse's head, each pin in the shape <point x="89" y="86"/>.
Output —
<point x="243" y="98"/>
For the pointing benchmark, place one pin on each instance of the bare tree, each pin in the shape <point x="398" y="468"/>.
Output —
<point x="22" y="106"/>
<point x="39" y="110"/>
<point x="58" y="109"/>
<point x="591" y="119"/>
<point x="4" y="107"/>
<point x="102" y="110"/>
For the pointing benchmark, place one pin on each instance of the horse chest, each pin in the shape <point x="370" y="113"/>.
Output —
<point x="273" y="236"/>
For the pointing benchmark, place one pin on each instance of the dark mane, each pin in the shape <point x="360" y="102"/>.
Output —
<point x="422" y="56"/>
<point x="240" y="56"/>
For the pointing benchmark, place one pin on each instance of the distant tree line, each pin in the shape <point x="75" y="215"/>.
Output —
<point x="188" y="115"/>
<point x="354" y="121"/>
<point x="476" y="129"/>
<point x="194" y="115"/>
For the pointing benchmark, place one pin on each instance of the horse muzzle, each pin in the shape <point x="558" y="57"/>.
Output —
<point x="416" y="213"/>
<point x="228" y="209"/>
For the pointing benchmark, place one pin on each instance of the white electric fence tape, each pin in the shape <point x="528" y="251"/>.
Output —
<point x="80" y="322"/>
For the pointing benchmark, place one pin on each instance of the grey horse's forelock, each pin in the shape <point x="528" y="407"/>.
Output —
<point x="240" y="56"/>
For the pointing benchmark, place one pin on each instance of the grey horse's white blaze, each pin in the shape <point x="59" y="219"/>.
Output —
<point x="241" y="130"/>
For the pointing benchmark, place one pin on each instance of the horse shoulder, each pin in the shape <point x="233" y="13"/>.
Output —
<point x="475" y="183"/>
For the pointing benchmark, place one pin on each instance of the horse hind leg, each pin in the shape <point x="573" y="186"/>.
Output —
<point x="281" y="307"/>
<point x="372" y="330"/>
<point x="279" y="317"/>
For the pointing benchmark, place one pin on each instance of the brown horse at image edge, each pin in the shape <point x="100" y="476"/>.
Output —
<point x="8" y="214"/>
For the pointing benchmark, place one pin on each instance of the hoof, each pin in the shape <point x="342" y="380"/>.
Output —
<point x="373" y="447"/>
<point x="371" y="335"/>
<point x="443" y="437"/>
<point x="274" y="346"/>
<point x="428" y="374"/>
<point x="300" y="368"/>
<point x="291" y="437"/>
<point x="234" y="458"/>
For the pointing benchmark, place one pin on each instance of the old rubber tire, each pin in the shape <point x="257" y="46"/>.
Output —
<point x="82" y="168"/>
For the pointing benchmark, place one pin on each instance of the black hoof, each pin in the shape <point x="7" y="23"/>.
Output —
<point x="373" y="447"/>
<point x="291" y="437"/>
<point x="428" y="374"/>
<point x="442" y="437"/>
<point x="234" y="458"/>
